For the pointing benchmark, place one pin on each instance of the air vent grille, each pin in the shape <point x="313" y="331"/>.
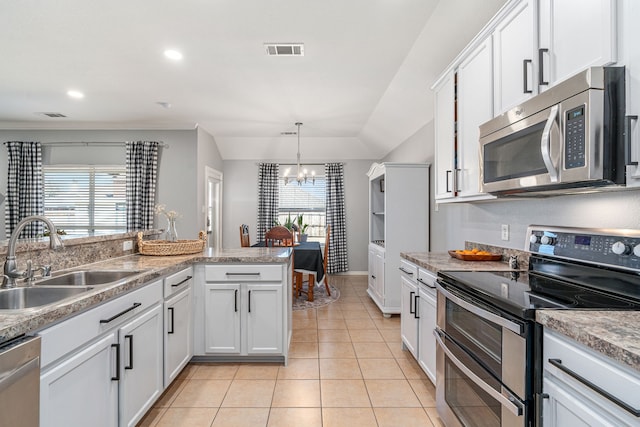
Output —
<point x="284" y="49"/>
<point x="289" y="133"/>
<point x="56" y="115"/>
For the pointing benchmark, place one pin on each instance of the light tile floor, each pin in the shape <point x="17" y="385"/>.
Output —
<point x="346" y="368"/>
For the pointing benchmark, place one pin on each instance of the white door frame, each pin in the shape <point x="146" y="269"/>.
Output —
<point x="215" y="176"/>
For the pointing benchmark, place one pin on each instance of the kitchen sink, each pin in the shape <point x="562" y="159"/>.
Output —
<point x="87" y="278"/>
<point x="31" y="297"/>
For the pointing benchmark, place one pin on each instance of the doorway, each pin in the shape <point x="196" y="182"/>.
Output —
<point x="213" y="207"/>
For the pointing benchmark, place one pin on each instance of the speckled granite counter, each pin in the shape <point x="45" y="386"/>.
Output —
<point x="437" y="261"/>
<point x="615" y="334"/>
<point x="16" y="323"/>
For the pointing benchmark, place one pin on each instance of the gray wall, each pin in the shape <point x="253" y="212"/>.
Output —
<point x="454" y="223"/>
<point x="177" y="175"/>
<point x="240" y="206"/>
<point x="207" y="155"/>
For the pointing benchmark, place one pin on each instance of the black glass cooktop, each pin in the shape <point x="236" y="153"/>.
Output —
<point x="549" y="285"/>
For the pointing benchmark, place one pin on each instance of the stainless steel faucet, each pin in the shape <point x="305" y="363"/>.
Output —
<point x="11" y="272"/>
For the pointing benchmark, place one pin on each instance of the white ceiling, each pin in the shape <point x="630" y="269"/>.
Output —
<point x="361" y="89"/>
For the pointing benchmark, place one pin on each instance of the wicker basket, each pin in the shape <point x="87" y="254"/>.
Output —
<point x="166" y="248"/>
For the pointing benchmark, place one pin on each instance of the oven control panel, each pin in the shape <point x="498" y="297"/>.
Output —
<point x="618" y="248"/>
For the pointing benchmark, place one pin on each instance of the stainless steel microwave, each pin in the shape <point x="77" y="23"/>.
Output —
<point x="569" y="137"/>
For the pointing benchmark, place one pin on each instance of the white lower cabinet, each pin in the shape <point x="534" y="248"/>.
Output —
<point x="427" y="323"/>
<point x="141" y="374"/>
<point x="418" y="315"/>
<point x="178" y="323"/>
<point x="104" y="367"/>
<point x="83" y="389"/>
<point x="242" y="310"/>
<point x="584" y="388"/>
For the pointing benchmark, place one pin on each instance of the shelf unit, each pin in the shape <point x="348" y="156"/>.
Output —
<point x="398" y="222"/>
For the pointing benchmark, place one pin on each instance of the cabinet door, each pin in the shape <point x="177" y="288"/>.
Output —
<point x="444" y="137"/>
<point x="409" y="314"/>
<point x="630" y="36"/>
<point x="574" y="35"/>
<point x="141" y="371"/>
<point x="475" y="106"/>
<point x="514" y="64"/>
<point x="566" y="407"/>
<point x="178" y="347"/>
<point x="80" y="391"/>
<point x="264" y="319"/>
<point x="379" y="269"/>
<point x="427" y="341"/>
<point x="222" y="318"/>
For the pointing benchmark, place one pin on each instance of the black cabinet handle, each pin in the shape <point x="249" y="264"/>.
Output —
<point x="130" y="337"/>
<point x="410" y="273"/>
<point x="541" y="53"/>
<point x="558" y="364"/>
<point x="447" y="190"/>
<point x="426" y="284"/>
<point x="628" y="141"/>
<point x="415" y="306"/>
<point x="525" y="75"/>
<point x="411" y="300"/>
<point x="117" y="376"/>
<point x="112" y="318"/>
<point x="235" y="301"/>
<point x="181" y="282"/>
<point x="249" y="300"/>
<point x="373" y="277"/>
<point x="170" y="309"/>
<point x="242" y="274"/>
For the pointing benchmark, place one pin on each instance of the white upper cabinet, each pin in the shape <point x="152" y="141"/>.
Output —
<point x="574" y="35"/>
<point x="444" y="129"/>
<point x="474" y="106"/>
<point x="514" y="48"/>
<point x="629" y="19"/>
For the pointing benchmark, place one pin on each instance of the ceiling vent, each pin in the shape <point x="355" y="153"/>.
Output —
<point x="284" y="49"/>
<point x="289" y="133"/>
<point x="55" y="115"/>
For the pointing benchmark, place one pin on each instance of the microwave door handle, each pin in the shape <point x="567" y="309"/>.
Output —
<point x="510" y="402"/>
<point x="545" y="144"/>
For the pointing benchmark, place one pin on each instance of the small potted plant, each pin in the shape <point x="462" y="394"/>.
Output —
<point x="302" y="228"/>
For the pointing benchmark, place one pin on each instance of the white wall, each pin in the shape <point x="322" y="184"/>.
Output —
<point x="241" y="205"/>
<point x="207" y="155"/>
<point x="454" y="223"/>
<point x="177" y="173"/>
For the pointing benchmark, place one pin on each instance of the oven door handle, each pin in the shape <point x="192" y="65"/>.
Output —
<point x="499" y="320"/>
<point x="509" y="401"/>
<point x="545" y="144"/>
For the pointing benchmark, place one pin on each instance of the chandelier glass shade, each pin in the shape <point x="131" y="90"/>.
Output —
<point x="302" y="175"/>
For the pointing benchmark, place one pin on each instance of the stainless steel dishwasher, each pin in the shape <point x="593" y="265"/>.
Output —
<point x="20" y="383"/>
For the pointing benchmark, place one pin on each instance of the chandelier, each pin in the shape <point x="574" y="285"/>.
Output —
<point x="303" y="174"/>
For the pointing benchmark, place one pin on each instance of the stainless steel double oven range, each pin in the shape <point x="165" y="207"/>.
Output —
<point x="489" y="355"/>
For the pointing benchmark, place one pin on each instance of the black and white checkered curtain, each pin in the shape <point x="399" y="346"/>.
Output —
<point x="142" y="171"/>
<point x="267" y="198"/>
<point x="24" y="187"/>
<point x="336" y="218"/>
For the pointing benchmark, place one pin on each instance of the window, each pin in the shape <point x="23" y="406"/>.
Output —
<point x="307" y="199"/>
<point x="86" y="199"/>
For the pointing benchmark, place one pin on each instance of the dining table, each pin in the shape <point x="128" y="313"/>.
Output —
<point x="307" y="259"/>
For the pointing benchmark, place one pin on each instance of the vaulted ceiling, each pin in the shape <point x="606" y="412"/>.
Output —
<point x="361" y="88"/>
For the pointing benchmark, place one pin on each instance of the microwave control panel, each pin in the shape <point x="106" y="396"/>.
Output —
<point x="574" y="137"/>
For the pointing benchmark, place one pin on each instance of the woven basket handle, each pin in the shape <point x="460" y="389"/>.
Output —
<point x="139" y="238"/>
<point x="202" y="235"/>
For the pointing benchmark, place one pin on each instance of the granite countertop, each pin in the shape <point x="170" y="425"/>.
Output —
<point x="442" y="261"/>
<point x="615" y="334"/>
<point x="19" y="322"/>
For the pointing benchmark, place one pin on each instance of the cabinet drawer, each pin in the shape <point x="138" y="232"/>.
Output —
<point x="612" y="378"/>
<point x="178" y="281"/>
<point x="65" y="337"/>
<point x="427" y="281"/>
<point x="243" y="273"/>
<point x="409" y="269"/>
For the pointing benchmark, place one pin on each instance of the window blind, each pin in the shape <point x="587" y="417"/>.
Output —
<point x="86" y="199"/>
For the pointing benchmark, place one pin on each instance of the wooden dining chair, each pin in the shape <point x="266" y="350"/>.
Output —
<point x="278" y="236"/>
<point x="244" y="236"/>
<point x="299" y="278"/>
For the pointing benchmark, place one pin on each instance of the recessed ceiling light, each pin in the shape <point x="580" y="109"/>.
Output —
<point x="173" y="54"/>
<point x="75" y="94"/>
